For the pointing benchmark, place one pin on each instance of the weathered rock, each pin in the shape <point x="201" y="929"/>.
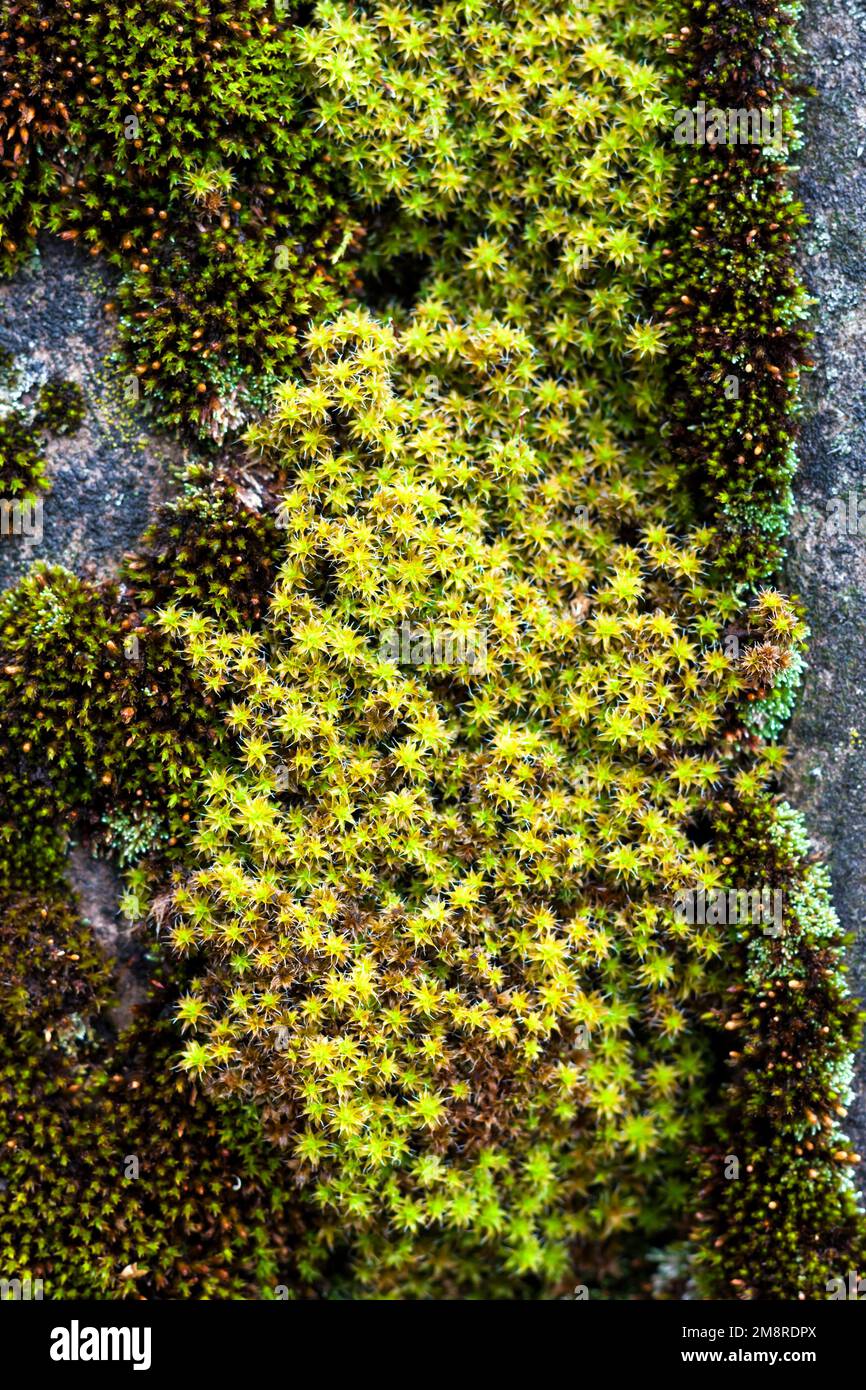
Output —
<point x="108" y="477"/>
<point x="827" y="772"/>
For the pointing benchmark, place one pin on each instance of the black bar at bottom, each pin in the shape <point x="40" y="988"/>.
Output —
<point x="246" y="1343"/>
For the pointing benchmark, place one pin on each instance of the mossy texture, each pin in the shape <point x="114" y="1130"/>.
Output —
<point x="116" y="1182"/>
<point x="410" y="724"/>
<point x="177" y="144"/>
<point x="736" y="313"/>
<point x="58" y="408"/>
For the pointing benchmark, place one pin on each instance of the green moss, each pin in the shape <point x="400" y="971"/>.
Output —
<point x="411" y="725"/>
<point x="118" y="1181"/>
<point x="178" y="145"/>
<point x="53" y="977"/>
<point x="211" y="550"/>
<point x="490" y="1057"/>
<point x="736" y="312"/>
<point x="104" y="729"/>
<point x="33" y="117"/>
<point x="60" y="406"/>
<point x="790" y="1220"/>
<point x="58" y="409"/>
<point x="22" y="466"/>
<point x="786" y="1221"/>
<point x="103" y="734"/>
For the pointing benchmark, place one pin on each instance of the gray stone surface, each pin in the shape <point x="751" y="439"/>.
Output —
<point x="827" y="771"/>
<point x="107" y="478"/>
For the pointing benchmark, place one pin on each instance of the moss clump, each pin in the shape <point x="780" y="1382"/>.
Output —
<point x="177" y="145"/>
<point x="211" y="550"/>
<point x="103" y="727"/>
<point x="51" y="974"/>
<point x="58" y="409"/>
<point x="118" y="1182"/>
<point x="60" y="406"/>
<point x="437" y="903"/>
<point x="104" y="732"/>
<point x="22" y="465"/>
<point x="74" y="709"/>
<point x="436" y="893"/>
<point x="35" y="73"/>
<point x="779" y="1213"/>
<point x="784" y="1221"/>
<point x="735" y="310"/>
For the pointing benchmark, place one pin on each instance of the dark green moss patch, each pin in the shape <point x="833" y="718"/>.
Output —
<point x="178" y="145"/>
<point x="22" y="466"/>
<point x="730" y="293"/>
<point x="780" y="1215"/>
<point x="60" y="406"/>
<point x="117" y="1180"/>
